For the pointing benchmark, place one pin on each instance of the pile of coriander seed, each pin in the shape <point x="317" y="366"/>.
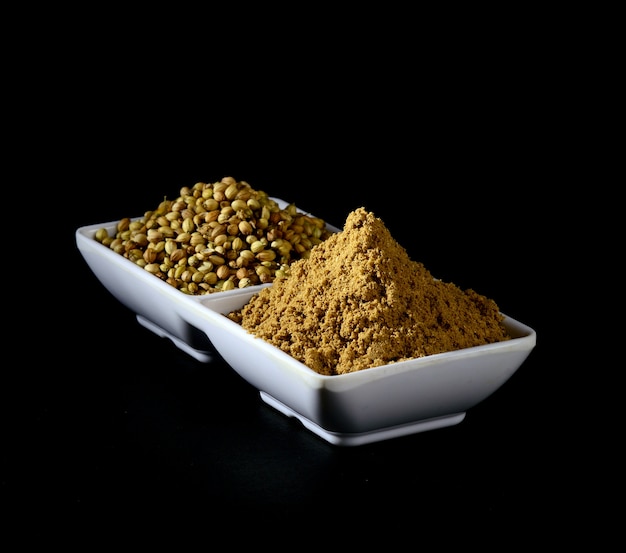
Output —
<point x="217" y="237"/>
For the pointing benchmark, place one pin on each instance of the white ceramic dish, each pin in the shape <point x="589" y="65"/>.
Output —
<point x="159" y="307"/>
<point x="372" y="404"/>
<point x="351" y="409"/>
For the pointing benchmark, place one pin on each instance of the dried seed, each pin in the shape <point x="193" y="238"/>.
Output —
<point x="224" y="226"/>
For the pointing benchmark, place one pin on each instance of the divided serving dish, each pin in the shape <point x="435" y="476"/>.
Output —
<point x="350" y="409"/>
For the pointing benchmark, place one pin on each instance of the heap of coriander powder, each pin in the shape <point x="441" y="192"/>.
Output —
<point x="359" y="302"/>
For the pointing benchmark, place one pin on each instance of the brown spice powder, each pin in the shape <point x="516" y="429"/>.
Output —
<point x="359" y="301"/>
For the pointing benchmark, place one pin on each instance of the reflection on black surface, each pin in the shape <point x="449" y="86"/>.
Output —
<point x="153" y="425"/>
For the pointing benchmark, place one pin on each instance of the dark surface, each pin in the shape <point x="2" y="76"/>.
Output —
<point x="111" y="417"/>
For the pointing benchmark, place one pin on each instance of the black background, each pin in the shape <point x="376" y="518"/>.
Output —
<point x="105" y="417"/>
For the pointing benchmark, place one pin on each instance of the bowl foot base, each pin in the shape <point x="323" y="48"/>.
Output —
<point x="360" y="438"/>
<point x="202" y="356"/>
